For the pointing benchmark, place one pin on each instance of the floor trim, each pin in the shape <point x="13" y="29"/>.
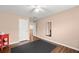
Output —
<point x="59" y="43"/>
<point x="18" y="43"/>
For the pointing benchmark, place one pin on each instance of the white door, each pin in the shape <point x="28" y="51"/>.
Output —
<point x="23" y="29"/>
<point x="34" y="29"/>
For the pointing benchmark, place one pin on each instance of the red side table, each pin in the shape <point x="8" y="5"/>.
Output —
<point x="4" y="41"/>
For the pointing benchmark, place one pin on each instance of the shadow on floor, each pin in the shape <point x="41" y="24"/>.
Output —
<point x="39" y="46"/>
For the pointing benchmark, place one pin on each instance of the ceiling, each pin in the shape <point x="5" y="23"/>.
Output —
<point x="27" y="10"/>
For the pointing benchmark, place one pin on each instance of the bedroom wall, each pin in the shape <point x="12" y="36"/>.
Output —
<point x="9" y="23"/>
<point x="65" y="28"/>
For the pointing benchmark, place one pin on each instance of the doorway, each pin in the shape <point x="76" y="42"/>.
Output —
<point x="23" y="29"/>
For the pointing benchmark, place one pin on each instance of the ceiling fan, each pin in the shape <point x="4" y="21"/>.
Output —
<point x="38" y="8"/>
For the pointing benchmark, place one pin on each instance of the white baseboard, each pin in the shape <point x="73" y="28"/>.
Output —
<point x="66" y="45"/>
<point x="59" y="43"/>
<point x="14" y="42"/>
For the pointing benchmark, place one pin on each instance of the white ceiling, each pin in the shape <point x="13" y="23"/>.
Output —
<point x="27" y="10"/>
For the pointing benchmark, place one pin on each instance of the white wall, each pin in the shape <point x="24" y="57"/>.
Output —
<point x="65" y="28"/>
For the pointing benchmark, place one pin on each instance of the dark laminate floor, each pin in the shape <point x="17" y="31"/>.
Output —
<point x="38" y="46"/>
